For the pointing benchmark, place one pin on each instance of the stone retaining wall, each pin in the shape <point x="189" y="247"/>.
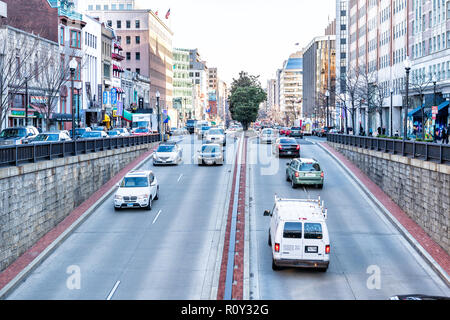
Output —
<point x="35" y="197"/>
<point x="420" y="188"/>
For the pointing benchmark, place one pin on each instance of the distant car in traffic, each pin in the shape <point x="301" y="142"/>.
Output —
<point x="296" y="132"/>
<point x="268" y="135"/>
<point x="141" y="131"/>
<point x="18" y="135"/>
<point x="302" y="171"/>
<point x="180" y="132"/>
<point x="51" y="137"/>
<point x="202" y="132"/>
<point x="210" y="154"/>
<point x="114" y="133"/>
<point x="168" y="153"/>
<point x="79" y="132"/>
<point x="123" y="131"/>
<point x="137" y="189"/>
<point x="286" y="147"/>
<point x="94" y="135"/>
<point x="216" y="135"/>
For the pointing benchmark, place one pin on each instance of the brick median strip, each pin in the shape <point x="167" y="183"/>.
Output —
<point x="441" y="257"/>
<point x="43" y="244"/>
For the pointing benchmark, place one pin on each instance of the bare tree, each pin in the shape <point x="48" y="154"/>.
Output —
<point x="419" y="85"/>
<point x="17" y="50"/>
<point x="378" y="101"/>
<point x="351" y="82"/>
<point x="366" y="90"/>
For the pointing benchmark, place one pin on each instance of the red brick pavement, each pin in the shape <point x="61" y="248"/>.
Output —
<point x="26" y="258"/>
<point x="433" y="249"/>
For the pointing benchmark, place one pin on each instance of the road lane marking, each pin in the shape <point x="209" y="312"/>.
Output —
<point x="113" y="290"/>
<point x="179" y="178"/>
<point x="159" y="212"/>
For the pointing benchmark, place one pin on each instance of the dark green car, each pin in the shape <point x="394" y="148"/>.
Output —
<point x="304" y="171"/>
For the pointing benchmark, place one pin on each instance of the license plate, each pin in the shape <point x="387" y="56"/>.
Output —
<point x="209" y="162"/>
<point x="289" y="152"/>
<point x="130" y="205"/>
<point x="310" y="175"/>
<point x="310" y="249"/>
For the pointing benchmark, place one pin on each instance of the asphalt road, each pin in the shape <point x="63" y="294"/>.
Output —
<point x="369" y="258"/>
<point x="169" y="252"/>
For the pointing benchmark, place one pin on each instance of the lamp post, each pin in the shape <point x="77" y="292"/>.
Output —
<point x="158" y="95"/>
<point x="434" y="104"/>
<point x="327" y="94"/>
<point x="26" y="101"/>
<point x="72" y="66"/>
<point x="407" y="65"/>
<point x="391" y="115"/>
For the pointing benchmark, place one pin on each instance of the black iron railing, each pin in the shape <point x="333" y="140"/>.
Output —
<point x="435" y="152"/>
<point x="33" y="152"/>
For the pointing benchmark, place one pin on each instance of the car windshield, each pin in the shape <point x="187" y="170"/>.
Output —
<point x="141" y="130"/>
<point x="92" y="134"/>
<point x="47" y="137"/>
<point x="165" y="149"/>
<point x="80" y="131"/>
<point x="12" y="133"/>
<point x="134" y="182"/>
<point x="215" y="131"/>
<point x="295" y="128"/>
<point x="205" y="128"/>
<point x="113" y="133"/>
<point x="210" y="149"/>
<point x="309" y="166"/>
<point x="288" y="141"/>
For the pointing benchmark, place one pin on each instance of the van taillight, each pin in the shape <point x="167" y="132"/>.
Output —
<point x="298" y="147"/>
<point x="322" y="175"/>
<point x="296" y="175"/>
<point x="327" y="249"/>
<point x="277" y="247"/>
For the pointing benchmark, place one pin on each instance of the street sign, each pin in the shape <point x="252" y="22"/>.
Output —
<point x="434" y="111"/>
<point x="105" y="97"/>
<point x="113" y="96"/>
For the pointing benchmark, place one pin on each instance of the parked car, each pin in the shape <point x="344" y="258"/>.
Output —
<point x="286" y="147"/>
<point x="168" y="153"/>
<point x="98" y="128"/>
<point x="211" y="153"/>
<point x="141" y="131"/>
<point x="418" y="297"/>
<point x="78" y="132"/>
<point x="114" y="133"/>
<point x="216" y="135"/>
<point x="51" y="137"/>
<point x="123" y="131"/>
<point x="17" y="135"/>
<point x="298" y="234"/>
<point x="304" y="171"/>
<point x="137" y="189"/>
<point x="94" y="135"/>
<point x="296" y="132"/>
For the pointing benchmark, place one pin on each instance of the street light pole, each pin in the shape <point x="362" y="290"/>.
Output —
<point x="391" y="115"/>
<point x="407" y="69"/>
<point x="26" y="101"/>
<point x="72" y="66"/>
<point x="433" y="134"/>
<point x="327" y="94"/>
<point x="159" y="113"/>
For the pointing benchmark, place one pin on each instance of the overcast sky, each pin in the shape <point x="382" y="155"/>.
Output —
<point x="251" y="35"/>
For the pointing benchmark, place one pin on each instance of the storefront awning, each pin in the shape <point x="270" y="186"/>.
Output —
<point x="413" y="113"/>
<point x="443" y="105"/>
<point x="61" y="117"/>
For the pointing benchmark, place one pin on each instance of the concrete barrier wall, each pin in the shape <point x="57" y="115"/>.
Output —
<point x="35" y="197"/>
<point x="420" y="188"/>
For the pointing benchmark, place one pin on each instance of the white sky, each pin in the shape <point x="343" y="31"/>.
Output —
<point x="251" y="35"/>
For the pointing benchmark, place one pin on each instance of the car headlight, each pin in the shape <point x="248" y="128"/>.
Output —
<point x="118" y="197"/>
<point x="143" y="196"/>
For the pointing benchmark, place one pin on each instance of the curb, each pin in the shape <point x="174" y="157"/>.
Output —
<point x="405" y="233"/>
<point x="24" y="273"/>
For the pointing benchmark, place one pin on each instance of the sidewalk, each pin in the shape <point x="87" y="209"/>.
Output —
<point x="441" y="257"/>
<point x="31" y="257"/>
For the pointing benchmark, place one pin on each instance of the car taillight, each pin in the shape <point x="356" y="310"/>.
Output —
<point x="298" y="147"/>
<point x="280" y="147"/>
<point x="277" y="247"/>
<point x="327" y="249"/>
<point x="296" y="175"/>
<point x="322" y="175"/>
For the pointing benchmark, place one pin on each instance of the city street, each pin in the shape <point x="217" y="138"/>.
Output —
<point x="174" y="250"/>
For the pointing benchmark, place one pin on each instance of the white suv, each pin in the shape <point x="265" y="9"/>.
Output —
<point x="137" y="190"/>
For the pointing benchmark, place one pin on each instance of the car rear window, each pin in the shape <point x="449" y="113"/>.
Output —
<point x="306" y="166"/>
<point x="313" y="231"/>
<point x="288" y="141"/>
<point x="292" y="230"/>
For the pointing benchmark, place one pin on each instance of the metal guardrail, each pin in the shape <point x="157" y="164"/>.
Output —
<point x="34" y="152"/>
<point x="435" y="152"/>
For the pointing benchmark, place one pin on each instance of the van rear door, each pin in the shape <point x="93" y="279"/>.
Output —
<point x="314" y="247"/>
<point x="291" y="243"/>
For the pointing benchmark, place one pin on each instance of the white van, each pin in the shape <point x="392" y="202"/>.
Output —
<point x="298" y="234"/>
<point x="268" y="135"/>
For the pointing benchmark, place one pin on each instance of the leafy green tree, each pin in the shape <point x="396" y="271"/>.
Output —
<point x="245" y="97"/>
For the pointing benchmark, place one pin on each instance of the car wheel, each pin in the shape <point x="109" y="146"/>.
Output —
<point x="149" y="206"/>
<point x="274" y="266"/>
<point x="323" y="269"/>
<point x="320" y="186"/>
<point x="293" y="184"/>
<point x="116" y="208"/>
<point x="157" y="194"/>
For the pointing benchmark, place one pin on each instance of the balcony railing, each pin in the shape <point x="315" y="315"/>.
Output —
<point x="34" y="152"/>
<point x="439" y="153"/>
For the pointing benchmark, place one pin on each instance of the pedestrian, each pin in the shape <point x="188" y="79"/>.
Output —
<point x="397" y="133"/>
<point x="379" y="131"/>
<point x="445" y="135"/>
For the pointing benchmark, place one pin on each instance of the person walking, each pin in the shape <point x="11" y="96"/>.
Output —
<point x="445" y="135"/>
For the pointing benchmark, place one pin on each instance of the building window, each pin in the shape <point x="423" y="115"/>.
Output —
<point x="61" y="36"/>
<point x="119" y="24"/>
<point x="106" y="7"/>
<point x="121" y="6"/>
<point x="98" y="7"/>
<point x="128" y="23"/>
<point x="128" y="39"/>
<point x="128" y="54"/>
<point x="138" y="56"/>
<point x="75" y="39"/>
<point x="90" y="7"/>
<point x="109" y="23"/>
<point x="113" y="7"/>
<point x="138" y="24"/>
<point x="138" y="71"/>
<point x="138" y="39"/>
